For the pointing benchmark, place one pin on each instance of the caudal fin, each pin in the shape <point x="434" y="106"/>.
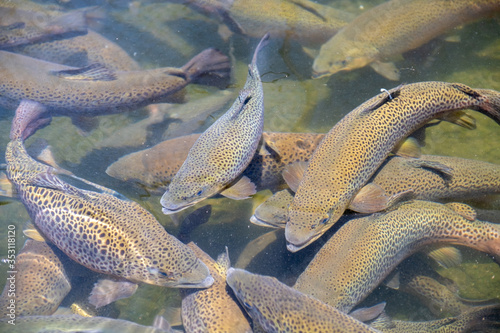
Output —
<point x="28" y="119"/>
<point x="491" y="107"/>
<point x="210" y="67"/>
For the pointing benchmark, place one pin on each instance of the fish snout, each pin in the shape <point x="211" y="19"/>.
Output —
<point x="198" y="276"/>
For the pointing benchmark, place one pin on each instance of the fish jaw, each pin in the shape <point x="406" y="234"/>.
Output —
<point x="303" y="228"/>
<point x="178" y="197"/>
<point x="196" y="276"/>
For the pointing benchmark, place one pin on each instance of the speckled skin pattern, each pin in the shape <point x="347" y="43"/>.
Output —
<point x="279" y="308"/>
<point x="41" y="281"/>
<point x="224" y="150"/>
<point x="392" y="28"/>
<point x="32" y="79"/>
<point x="100" y="231"/>
<point x="213" y="310"/>
<point x="81" y="51"/>
<point x="149" y="169"/>
<point x="440" y="300"/>
<point x="76" y="323"/>
<point x="357" y="145"/>
<point x="475" y="320"/>
<point x="468" y="179"/>
<point x="365" y="250"/>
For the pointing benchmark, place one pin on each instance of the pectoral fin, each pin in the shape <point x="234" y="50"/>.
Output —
<point x="370" y="199"/>
<point x="386" y="69"/>
<point x="108" y="291"/>
<point x="240" y="190"/>
<point x="445" y="255"/>
<point x="460" y="118"/>
<point x="367" y="314"/>
<point x="30" y="231"/>
<point x="432" y="166"/>
<point x="293" y="173"/>
<point x="408" y="148"/>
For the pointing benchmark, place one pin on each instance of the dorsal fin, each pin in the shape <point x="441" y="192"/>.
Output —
<point x="466" y="211"/>
<point x="93" y="72"/>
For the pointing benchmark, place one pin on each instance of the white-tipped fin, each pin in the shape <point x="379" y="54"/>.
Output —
<point x="240" y="190"/>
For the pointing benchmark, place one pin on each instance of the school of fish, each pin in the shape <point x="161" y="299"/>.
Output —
<point x="360" y="210"/>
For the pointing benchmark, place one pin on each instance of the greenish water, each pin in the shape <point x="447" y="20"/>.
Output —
<point x="170" y="34"/>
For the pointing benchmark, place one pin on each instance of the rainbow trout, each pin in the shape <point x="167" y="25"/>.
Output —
<point x="213" y="309"/>
<point x="279" y="308"/>
<point x="357" y="145"/>
<point x="223" y="151"/>
<point x="100" y="231"/>
<point x="148" y="168"/>
<point x="365" y="250"/>
<point x="432" y="178"/>
<point x="40" y="284"/>
<point x="307" y="22"/>
<point x="95" y="90"/>
<point x="393" y="28"/>
<point x="76" y="323"/>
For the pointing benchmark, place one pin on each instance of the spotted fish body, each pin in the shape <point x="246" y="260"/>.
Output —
<point x="308" y="22"/>
<point x="213" y="310"/>
<point x="93" y="90"/>
<point x="224" y="150"/>
<point x="81" y="51"/>
<point x="279" y="308"/>
<point x="76" y="323"/>
<point x="483" y="319"/>
<point x="101" y="231"/>
<point x="393" y="28"/>
<point x="465" y="179"/>
<point x="148" y="168"/>
<point x="365" y="250"/>
<point x="356" y="146"/>
<point x="41" y="281"/>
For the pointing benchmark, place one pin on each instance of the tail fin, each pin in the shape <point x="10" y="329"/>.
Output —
<point x="28" y="119"/>
<point x="210" y="67"/>
<point x="491" y="106"/>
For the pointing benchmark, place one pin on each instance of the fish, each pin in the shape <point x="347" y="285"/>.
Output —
<point x="213" y="309"/>
<point x="279" y="308"/>
<point x="305" y="21"/>
<point x="223" y="151"/>
<point x="440" y="300"/>
<point x="39" y="284"/>
<point x="432" y="178"/>
<point x="96" y="90"/>
<point x="392" y="28"/>
<point x="81" y="51"/>
<point x="358" y="144"/>
<point x="363" y="252"/>
<point x="22" y="25"/>
<point x="147" y="168"/>
<point x="481" y="319"/>
<point x="76" y="323"/>
<point x="102" y="231"/>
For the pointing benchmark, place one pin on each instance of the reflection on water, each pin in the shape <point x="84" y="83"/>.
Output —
<point x="168" y="34"/>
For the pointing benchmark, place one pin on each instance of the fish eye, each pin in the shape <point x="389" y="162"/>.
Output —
<point x="323" y="221"/>
<point x="247" y="305"/>
<point x="199" y="193"/>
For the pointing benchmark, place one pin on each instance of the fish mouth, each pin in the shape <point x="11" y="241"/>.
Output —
<point x="170" y="211"/>
<point x="294" y="245"/>
<point x="207" y="282"/>
<point x="255" y="220"/>
<point x="319" y="75"/>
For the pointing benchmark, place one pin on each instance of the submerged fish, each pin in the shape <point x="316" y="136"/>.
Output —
<point x="223" y="151"/>
<point x="81" y="51"/>
<point x="393" y="28"/>
<point x="95" y="90"/>
<point x="101" y="231"/>
<point x="365" y="250"/>
<point x="213" y="309"/>
<point x="357" y="145"/>
<point x="440" y="300"/>
<point x="483" y="319"/>
<point x="279" y="308"/>
<point x="75" y="323"/>
<point x="39" y="284"/>
<point x="149" y="169"/>
<point x="426" y="178"/>
<point x="20" y="24"/>
<point x="308" y="22"/>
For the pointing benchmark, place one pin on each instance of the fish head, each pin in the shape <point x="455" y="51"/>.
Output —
<point x="329" y="62"/>
<point x="303" y="227"/>
<point x="196" y="276"/>
<point x="188" y="191"/>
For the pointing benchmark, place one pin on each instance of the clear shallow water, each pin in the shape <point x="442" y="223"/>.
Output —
<point x="170" y="34"/>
